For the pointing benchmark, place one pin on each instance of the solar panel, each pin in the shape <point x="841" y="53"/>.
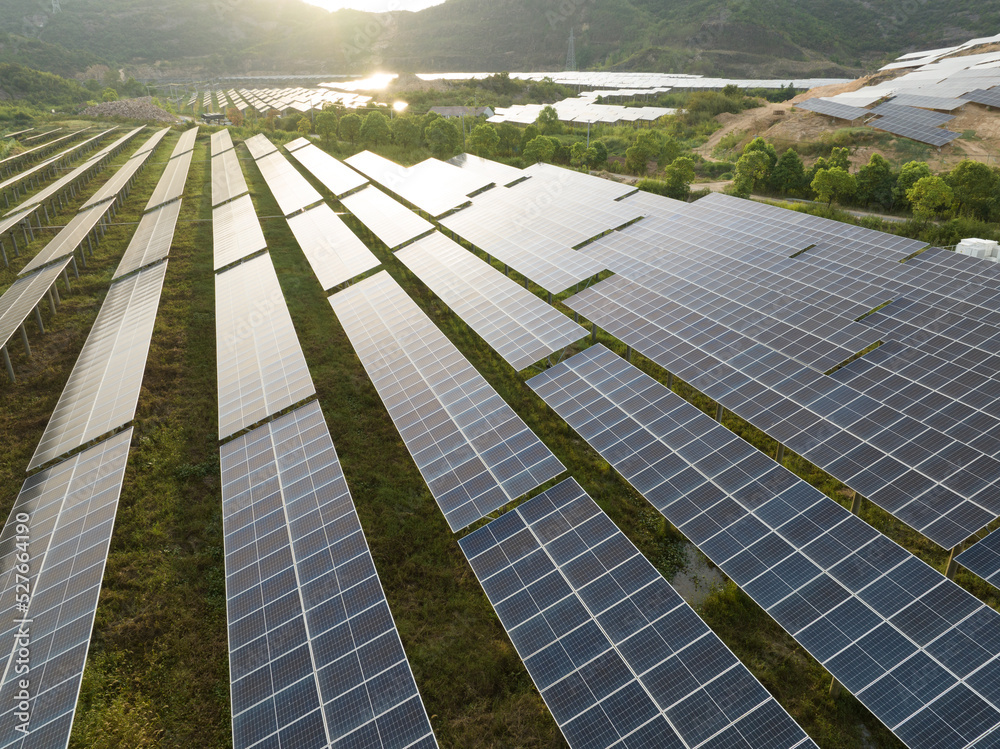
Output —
<point x="833" y="109"/>
<point x="315" y="657"/>
<point x="152" y="239"/>
<point x="571" y="181"/>
<point x="186" y="142"/>
<point x="68" y="239"/>
<point x="259" y="146"/>
<point x="390" y="221"/>
<point x="334" y="252"/>
<point x="618" y="656"/>
<point x="336" y="176"/>
<point x="153" y="141"/>
<point x="946" y="103"/>
<point x="171" y="184"/>
<point x="22" y="296"/>
<point x="121" y="179"/>
<point x="298" y="143"/>
<point x="227" y="178"/>
<point x="501" y="174"/>
<point x="432" y="174"/>
<point x="71" y="507"/>
<point x="262" y="370"/>
<point x="988" y="97"/>
<point x="221" y="141"/>
<point x="103" y="388"/>
<point x="290" y="189"/>
<point x="890" y="628"/>
<point x="473" y="451"/>
<point x="426" y="188"/>
<point x="934" y="136"/>
<point x="236" y="230"/>
<point x="514" y="322"/>
<point x="912" y="114"/>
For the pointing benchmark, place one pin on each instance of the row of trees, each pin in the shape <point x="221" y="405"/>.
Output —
<point x="969" y="189"/>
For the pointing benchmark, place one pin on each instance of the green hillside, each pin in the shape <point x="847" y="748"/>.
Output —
<point x="778" y="38"/>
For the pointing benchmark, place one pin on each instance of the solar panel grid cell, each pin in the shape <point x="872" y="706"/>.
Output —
<point x="390" y="221"/>
<point x="336" y="176"/>
<point x="236" y="232"/>
<point x="152" y="239"/>
<point x="290" y="189"/>
<point x="335" y="254"/>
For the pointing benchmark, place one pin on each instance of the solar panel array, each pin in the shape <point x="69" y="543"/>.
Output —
<point x="833" y="109"/>
<point x="618" y="656"/>
<point x="122" y="179"/>
<point x="983" y="559"/>
<point x="291" y="190"/>
<point x="430" y="188"/>
<point x="259" y="146"/>
<point x="474" y="452"/>
<point x="987" y="97"/>
<point x="315" y="657"/>
<point x="514" y="322"/>
<point x="390" y="221"/>
<point x="185" y="143"/>
<point x="298" y="143"/>
<point x="914" y="647"/>
<point x="946" y="103"/>
<point x="24" y="295"/>
<point x="336" y="176"/>
<point x="712" y="294"/>
<point x="915" y="130"/>
<point x="171" y="184"/>
<point x="228" y="181"/>
<point x="103" y="388"/>
<point x="236" y="230"/>
<point x="261" y="368"/>
<point x="912" y="114"/>
<point x="335" y="254"/>
<point x="221" y="141"/>
<point x="64" y="243"/>
<point x="494" y="171"/>
<point x="152" y="239"/>
<point x="72" y="508"/>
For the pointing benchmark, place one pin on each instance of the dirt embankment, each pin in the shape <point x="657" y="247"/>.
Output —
<point x="132" y="109"/>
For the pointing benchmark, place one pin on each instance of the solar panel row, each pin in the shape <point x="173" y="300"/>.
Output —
<point x="336" y="176"/>
<point x="228" y="181"/>
<point x="514" y="322"/>
<point x="236" y="231"/>
<point x="291" y="190"/>
<point x="315" y="657"/>
<point x="335" y="254"/>
<point x="392" y="222"/>
<point x="474" y="452"/>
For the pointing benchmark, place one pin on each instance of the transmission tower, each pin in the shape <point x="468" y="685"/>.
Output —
<point x="571" y="53"/>
<point x="55" y="7"/>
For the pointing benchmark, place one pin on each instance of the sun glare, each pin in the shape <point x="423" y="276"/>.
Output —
<point x="375" y="6"/>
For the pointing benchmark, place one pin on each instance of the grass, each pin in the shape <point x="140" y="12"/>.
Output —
<point x="157" y="671"/>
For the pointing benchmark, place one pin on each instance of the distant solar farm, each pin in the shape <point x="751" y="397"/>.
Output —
<point x="870" y="355"/>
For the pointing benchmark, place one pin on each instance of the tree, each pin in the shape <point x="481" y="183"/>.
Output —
<point x="539" y="149"/>
<point x="375" y="129"/>
<point x="929" y="196"/>
<point x="510" y="139"/>
<point x="578" y="154"/>
<point x="405" y="131"/>
<point x="600" y="159"/>
<point x="789" y="174"/>
<point x="269" y="120"/>
<point x="235" y="116"/>
<point x="759" y="144"/>
<point x="548" y="121"/>
<point x="304" y="125"/>
<point x="911" y="173"/>
<point x="974" y="186"/>
<point x="649" y="146"/>
<point x="750" y="169"/>
<point x="109" y="94"/>
<point x="350" y="126"/>
<point x="834" y="183"/>
<point x="840" y="157"/>
<point x="678" y="178"/>
<point x="876" y="181"/>
<point x="442" y="137"/>
<point x="731" y="91"/>
<point x="483" y="140"/>
<point x="326" y="124"/>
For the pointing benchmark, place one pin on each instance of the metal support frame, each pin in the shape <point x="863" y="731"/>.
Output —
<point x="24" y="337"/>
<point x="718" y="412"/>
<point x="593" y="332"/>
<point x="779" y="454"/>
<point x="952" y="567"/>
<point x="855" y="503"/>
<point x="38" y="320"/>
<point x="6" y="361"/>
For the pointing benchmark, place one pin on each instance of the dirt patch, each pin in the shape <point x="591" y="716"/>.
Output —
<point x="131" y="109"/>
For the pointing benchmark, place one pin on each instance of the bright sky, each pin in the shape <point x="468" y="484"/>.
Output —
<point x="375" y="6"/>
